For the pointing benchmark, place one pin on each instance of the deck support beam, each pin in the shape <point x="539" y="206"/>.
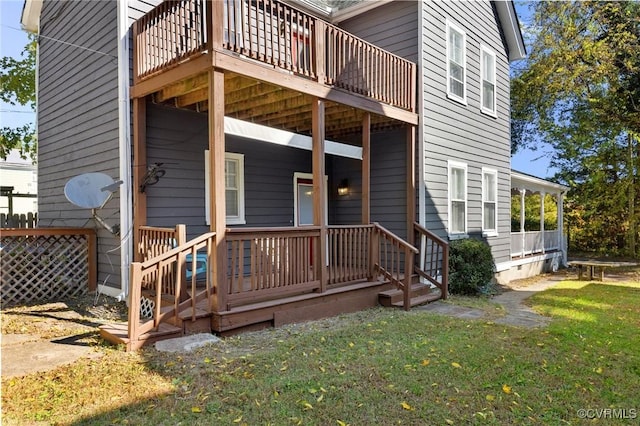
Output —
<point x="216" y="265"/>
<point x="411" y="182"/>
<point x="318" y="161"/>
<point x="366" y="168"/>
<point x="139" y="169"/>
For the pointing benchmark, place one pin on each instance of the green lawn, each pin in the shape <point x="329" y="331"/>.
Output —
<point x="380" y="366"/>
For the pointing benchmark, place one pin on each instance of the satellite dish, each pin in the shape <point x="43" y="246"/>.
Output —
<point x="92" y="191"/>
<point x="89" y="190"/>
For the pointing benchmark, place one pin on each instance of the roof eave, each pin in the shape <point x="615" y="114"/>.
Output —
<point x="30" y="19"/>
<point x="511" y="29"/>
<point x="536" y="182"/>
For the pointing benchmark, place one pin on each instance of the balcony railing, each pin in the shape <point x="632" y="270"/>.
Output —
<point x="276" y="34"/>
<point x="533" y="242"/>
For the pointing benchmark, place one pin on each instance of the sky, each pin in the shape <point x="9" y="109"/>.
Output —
<point x="13" y="40"/>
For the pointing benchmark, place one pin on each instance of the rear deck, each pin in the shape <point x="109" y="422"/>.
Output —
<point x="180" y="302"/>
<point x="267" y="63"/>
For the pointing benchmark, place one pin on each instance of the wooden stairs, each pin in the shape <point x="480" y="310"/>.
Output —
<point x="420" y="294"/>
<point x="188" y="322"/>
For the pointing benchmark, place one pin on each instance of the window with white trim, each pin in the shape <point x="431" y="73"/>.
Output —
<point x="489" y="201"/>
<point x="488" y="79"/>
<point x="233" y="187"/>
<point x="457" y="198"/>
<point x="456" y="63"/>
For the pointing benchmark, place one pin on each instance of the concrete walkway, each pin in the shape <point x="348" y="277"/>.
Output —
<point x="24" y="353"/>
<point x="517" y="313"/>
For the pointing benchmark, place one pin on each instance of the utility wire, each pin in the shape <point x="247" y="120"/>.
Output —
<point x="67" y="43"/>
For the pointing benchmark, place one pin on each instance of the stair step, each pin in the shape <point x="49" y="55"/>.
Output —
<point x="419" y="300"/>
<point x="390" y="297"/>
<point x="118" y="334"/>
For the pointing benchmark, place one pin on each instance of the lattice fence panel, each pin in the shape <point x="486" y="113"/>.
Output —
<point x="44" y="267"/>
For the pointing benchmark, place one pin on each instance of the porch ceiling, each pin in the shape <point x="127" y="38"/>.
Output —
<point x="269" y="105"/>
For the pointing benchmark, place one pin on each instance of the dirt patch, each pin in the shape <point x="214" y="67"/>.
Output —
<point x="56" y="319"/>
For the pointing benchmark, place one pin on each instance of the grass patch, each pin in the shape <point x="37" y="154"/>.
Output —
<point x="380" y="366"/>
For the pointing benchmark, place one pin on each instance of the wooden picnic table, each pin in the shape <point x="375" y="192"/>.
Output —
<point x="592" y="265"/>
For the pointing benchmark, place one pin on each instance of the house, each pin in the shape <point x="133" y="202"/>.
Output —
<point x="277" y="132"/>
<point x="18" y="196"/>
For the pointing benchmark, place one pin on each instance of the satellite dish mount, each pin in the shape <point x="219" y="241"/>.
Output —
<point x="92" y="191"/>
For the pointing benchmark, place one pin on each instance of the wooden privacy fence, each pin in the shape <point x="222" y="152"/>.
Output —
<point x="29" y="220"/>
<point x="47" y="264"/>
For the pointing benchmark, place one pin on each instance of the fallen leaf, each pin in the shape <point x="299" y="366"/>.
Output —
<point x="238" y="420"/>
<point x="425" y="362"/>
<point x="490" y="397"/>
<point x="341" y="423"/>
<point x="406" y="406"/>
<point x="456" y="365"/>
<point x="196" y="410"/>
<point x="599" y="370"/>
<point x="506" y="389"/>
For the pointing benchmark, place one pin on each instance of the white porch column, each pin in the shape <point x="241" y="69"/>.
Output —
<point x="542" y="195"/>
<point x="560" y="227"/>
<point x="523" y="193"/>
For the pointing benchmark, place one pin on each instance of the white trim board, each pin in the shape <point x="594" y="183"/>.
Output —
<point x="233" y="126"/>
<point x="503" y="266"/>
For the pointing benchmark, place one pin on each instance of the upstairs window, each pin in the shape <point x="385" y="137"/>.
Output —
<point x="489" y="201"/>
<point x="488" y="77"/>
<point x="457" y="198"/>
<point x="456" y="63"/>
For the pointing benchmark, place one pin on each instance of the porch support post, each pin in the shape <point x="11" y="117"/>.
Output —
<point x="217" y="188"/>
<point x="560" y="227"/>
<point x="139" y="169"/>
<point x="411" y="182"/>
<point x="366" y="168"/>
<point x="542" y="196"/>
<point x="523" y="193"/>
<point x="317" y="136"/>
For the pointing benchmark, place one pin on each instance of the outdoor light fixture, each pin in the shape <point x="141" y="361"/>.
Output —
<point x="343" y="188"/>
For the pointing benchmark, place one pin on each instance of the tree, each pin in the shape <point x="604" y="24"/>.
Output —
<point x="579" y="91"/>
<point x="18" y="87"/>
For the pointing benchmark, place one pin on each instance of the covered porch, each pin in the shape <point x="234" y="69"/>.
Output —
<point x="537" y="232"/>
<point x="306" y="111"/>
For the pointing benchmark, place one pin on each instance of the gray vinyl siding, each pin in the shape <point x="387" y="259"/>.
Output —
<point x="462" y="133"/>
<point x="392" y="26"/>
<point x="178" y="139"/>
<point x="78" y="116"/>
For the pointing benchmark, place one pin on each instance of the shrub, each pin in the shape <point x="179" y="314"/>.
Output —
<point x="471" y="266"/>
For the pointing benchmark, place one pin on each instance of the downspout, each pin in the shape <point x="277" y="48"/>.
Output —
<point x="421" y="184"/>
<point x="124" y="148"/>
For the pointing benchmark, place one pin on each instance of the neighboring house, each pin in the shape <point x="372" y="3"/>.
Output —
<point x="311" y="113"/>
<point x="19" y="181"/>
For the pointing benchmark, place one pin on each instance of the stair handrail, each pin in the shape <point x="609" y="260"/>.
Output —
<point x="441" y="255"/>
<point x="392" y="269"/>
<point x="181" y="300"/>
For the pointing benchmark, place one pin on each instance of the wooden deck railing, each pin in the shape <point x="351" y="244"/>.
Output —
<point x="433" y="264"/>
<point x="350" y="253"/>
<point x="171" y="32"/>
<point x="271" y="263"/>
<point x="394" y="259"/>
<point x="169" y="267"/>
<point x="276" y="34"/>
<point x="153" y="241"/>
